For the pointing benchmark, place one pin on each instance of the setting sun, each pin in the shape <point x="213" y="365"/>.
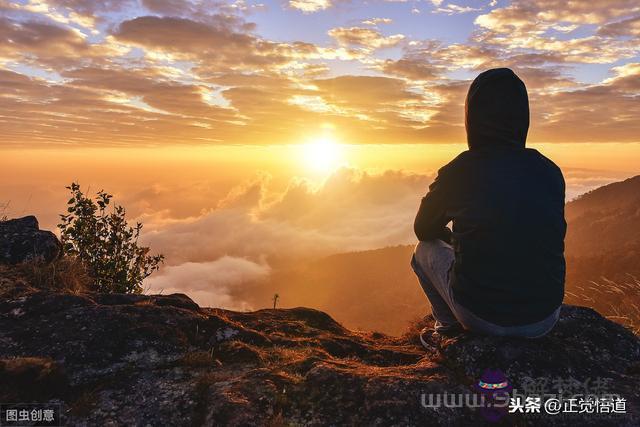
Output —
<point x="212" y="211"/>
<point x="322" y="154"/>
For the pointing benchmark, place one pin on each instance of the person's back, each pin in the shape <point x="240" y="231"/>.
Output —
<point x="506" y="203"/>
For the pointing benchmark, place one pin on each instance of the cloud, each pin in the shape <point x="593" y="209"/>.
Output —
<point x="352" y="210"/>
<point x="156" y="72"/>
<point x="410" y="68"/>
<point x="80" y="13"/>
<point x="529" y="13"/>
<point x="530" y="24"/>
<point x="150" y="86"/>
<point x="216" y="283"/>
<point x="223" y="40"/>
<point x="626" y="78"/>
<point x="367" y="38"/>
<point x="388" y="102"/>
<point x="627" y="27"/>
<point x="375" y="21"/>
<point x="451" y="8"/>
<point x="222" y="257"/>
<point x="50" y="43"/>
<point x="364" y="92"/>
<point x="309" y="6"/>
<point x="101" y="107"/>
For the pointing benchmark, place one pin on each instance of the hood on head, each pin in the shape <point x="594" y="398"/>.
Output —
<point x="497" y="110"/>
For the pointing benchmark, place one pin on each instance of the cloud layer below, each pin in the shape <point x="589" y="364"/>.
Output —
<point x="222" y="255"/>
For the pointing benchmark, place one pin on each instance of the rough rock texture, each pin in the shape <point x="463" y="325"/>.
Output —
<point x="22" y="240"/>
<point x="162" y="360"/>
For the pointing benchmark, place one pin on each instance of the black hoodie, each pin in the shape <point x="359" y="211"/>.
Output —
<point x="506" y="203"/>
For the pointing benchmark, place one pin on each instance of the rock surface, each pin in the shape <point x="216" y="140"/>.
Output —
<point x="162" y="360"/>
<point x="22" y="240"/>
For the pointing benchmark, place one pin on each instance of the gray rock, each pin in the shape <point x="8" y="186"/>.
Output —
<point x="162" y="360"/>
<point x="22" y="240"/>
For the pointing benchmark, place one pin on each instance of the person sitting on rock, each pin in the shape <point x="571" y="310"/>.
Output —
<point x="501" y="270"/>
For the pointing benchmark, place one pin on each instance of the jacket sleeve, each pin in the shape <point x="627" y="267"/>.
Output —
<point x="431" y="220"/>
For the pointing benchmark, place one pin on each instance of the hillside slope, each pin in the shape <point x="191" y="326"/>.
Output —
<point x="604" y="219"/>
<point x="603" y="234"/>
<point x="162" y="360"/>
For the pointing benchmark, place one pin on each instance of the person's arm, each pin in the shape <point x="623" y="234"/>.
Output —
<point x="431" y="220"/>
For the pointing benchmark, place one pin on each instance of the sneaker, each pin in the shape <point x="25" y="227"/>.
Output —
<point x="429" y="338"/>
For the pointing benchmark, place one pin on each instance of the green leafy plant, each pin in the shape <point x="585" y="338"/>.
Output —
<point x="105" y="243"/>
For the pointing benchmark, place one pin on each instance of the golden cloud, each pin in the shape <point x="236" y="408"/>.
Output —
<point x="367" y="38"/>
<point x="530" y="25"/>
<point x="199" y="72"/>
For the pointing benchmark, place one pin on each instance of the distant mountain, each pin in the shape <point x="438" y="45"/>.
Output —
<point x="604" y="219"/>
<point x="603" y="235"/>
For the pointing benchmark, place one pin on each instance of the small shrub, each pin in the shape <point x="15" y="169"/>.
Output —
<point x="105" y="243"/>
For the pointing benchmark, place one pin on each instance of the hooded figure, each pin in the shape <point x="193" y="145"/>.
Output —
<point x="506" y="203"/>
<point x="497" y="110"/>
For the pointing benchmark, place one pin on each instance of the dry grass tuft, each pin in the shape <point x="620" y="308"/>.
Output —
<point x="30" y="376"/>
<point x="617" y="301"/>
<point x="64" y="274"/>
<point x="199" y="359"/>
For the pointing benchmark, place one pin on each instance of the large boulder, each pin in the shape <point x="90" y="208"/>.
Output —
<point x="22" y="240"/>
<point x="162" y="360"/>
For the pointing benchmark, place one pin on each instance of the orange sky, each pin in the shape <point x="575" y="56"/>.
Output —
<point x="184" y="181"/>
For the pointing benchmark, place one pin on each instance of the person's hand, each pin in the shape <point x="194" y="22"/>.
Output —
<point x="445" y="235"/>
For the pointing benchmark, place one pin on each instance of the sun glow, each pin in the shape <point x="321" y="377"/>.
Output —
<point x="323" y="154"/>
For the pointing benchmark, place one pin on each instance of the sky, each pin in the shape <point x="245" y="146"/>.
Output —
<point x="252" y="135"/>
<point x="154" y="72"/>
